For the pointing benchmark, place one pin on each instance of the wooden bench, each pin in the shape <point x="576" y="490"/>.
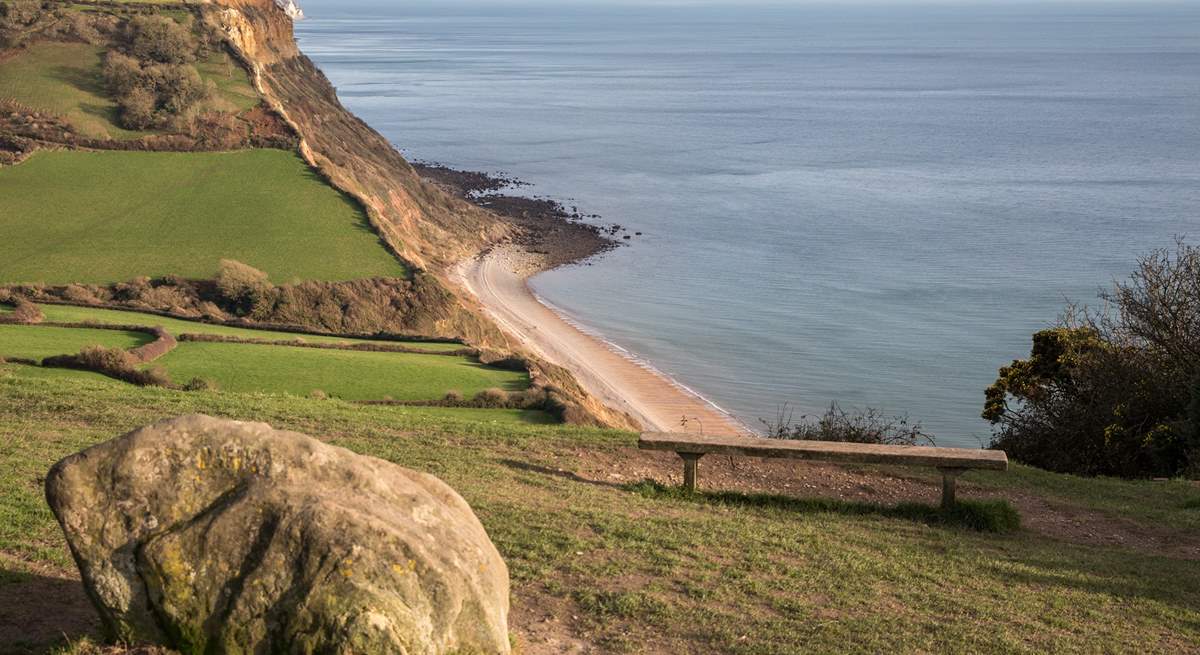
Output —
<point x="950" y="461"/>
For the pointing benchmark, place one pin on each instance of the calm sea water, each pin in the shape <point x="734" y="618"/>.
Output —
<point x="876" y="205"/>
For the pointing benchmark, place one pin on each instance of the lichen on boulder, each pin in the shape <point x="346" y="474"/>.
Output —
<point x="218" y="536"/>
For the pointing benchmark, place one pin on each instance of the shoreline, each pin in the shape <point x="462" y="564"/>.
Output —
<point x="499" y="278"/>
<point x="551" y="236"/>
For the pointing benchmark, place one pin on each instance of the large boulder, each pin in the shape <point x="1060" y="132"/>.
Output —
<point x="220" y="536"/>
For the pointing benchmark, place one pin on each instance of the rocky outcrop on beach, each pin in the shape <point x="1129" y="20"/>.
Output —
<point x="218" y="536"/>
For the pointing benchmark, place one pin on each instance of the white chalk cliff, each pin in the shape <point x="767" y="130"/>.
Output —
<point x="290" y="8"/>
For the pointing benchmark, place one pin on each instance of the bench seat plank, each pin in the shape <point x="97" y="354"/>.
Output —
<point x="829" y="451"/>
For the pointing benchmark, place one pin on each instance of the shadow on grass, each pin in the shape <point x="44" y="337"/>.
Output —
<point x="38" y="613"/>
<point x="558" y="473"/>
<point x="983" y="515"/>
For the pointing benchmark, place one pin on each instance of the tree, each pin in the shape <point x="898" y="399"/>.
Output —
<point x="138" y="109"/>
<point x="1112" y="392"/>
<point x="160" y="39"/>
<point x="122" y="73"/>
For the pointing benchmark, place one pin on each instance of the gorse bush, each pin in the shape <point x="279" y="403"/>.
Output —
<point x="201" y="384"/>
<point x="1114" y="391"/>
<point x="837" y="424"/>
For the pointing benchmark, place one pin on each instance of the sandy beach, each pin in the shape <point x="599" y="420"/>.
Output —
<point x="498" y="279"/>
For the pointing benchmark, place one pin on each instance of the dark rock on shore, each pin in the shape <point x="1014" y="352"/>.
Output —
<point x="218" y="536"/>
<point x="546" y="227"/>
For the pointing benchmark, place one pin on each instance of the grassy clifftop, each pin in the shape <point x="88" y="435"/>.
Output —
<point x="97" y="217"/>
<point x="799" y="558"/>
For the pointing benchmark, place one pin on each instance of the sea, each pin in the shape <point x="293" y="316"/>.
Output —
<point x="868" y="204"/>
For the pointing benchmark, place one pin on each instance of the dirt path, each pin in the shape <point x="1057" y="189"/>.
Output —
<point x="497" y="279"/>
<point x="1046" y="516"/>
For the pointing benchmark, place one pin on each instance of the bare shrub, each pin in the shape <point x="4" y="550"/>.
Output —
<point x="99" y="358"/>
<point x="26" y="312"/>
<point x="219" y="131"/>
<point x="122" y="73"/>
<point x="161" y="39"/>
<point x="138" y="109"/>
<point x="152" y="94"/>
<point x="317" y="394"/>
<point x="113" y="362"/>
<point x="836" y="424"/>
<point x="454" y="396"/>
<point x="163" y="343"/>
<point x="244" y="288"/>
<point x="79" y="294"/>
<point x="493" y="397"/>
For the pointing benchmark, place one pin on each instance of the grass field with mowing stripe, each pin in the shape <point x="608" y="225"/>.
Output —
<point x="99" y="217"/>
<point x="632" y="571"/>
<point x="349" y="375"/>
<point x="38" y="341"/>
<point x="71" y="314"/>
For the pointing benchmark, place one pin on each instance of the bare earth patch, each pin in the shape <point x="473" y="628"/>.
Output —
<point x="1045" y="516"/>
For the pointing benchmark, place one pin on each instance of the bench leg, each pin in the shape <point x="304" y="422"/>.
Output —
<point x="949" y="486"/>
<point x="689" y="469"/>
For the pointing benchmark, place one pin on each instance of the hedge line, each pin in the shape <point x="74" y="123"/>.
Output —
<point x="366" y="347"/>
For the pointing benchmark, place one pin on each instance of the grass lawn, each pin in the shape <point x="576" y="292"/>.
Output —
<point x="98" y="217"/>
<point x="71" y="314"/>
<point x="234" y="91"/>
<point x="64" y="79"/>
<point x="623" y="570"/>
<point x="349" y="375"/>
<point x="38" y="342"/>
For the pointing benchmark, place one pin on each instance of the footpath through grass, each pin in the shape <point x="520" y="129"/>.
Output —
<point x="628" y="570"/>
<point x="72" y="314"/>
<point x="97" y="217"/>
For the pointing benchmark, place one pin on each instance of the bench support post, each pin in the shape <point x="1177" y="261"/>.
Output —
<point x="949" y="485"/>
<point x="689" y="469"/>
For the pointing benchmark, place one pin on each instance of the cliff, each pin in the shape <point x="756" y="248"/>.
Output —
<point x="430" y="228"/>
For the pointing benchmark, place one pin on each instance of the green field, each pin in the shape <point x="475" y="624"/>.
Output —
<point x="38" y="342"/>
<point x="64" y="79"/>
<point x="623" y="568"/>
<point x="346" y="374"/>
<point x="72" y="314"/>
<point x="97" y="217"/>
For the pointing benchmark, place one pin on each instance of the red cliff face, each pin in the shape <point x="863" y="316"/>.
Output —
<point x="259" y="29"/>
<point x="426" y="226"/>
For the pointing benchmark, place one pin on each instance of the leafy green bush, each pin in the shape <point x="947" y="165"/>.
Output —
<point x="1113" y="392"/>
